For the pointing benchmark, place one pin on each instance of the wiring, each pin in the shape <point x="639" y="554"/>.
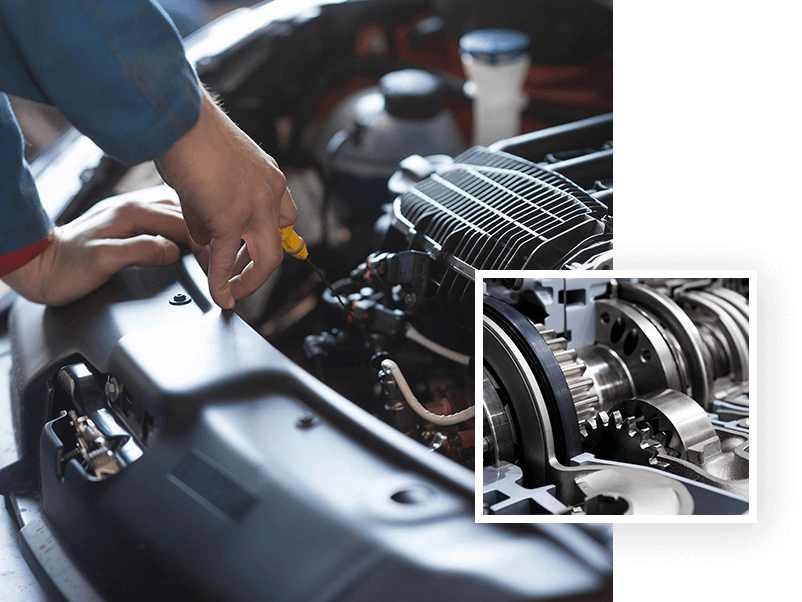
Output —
<point x="417" y="407"/>
<point x="414" y="335"/>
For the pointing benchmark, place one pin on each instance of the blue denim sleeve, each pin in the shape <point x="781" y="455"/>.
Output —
<point x="23" y="222"/>
<point x="115" y="68"/>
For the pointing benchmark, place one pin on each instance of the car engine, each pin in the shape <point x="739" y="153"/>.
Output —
<point x="616" y="396"/>
<point x="412" y="302"/>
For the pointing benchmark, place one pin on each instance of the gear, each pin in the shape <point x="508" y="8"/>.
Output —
<point x="573" y="368"/>
<point x="613" y="437"/>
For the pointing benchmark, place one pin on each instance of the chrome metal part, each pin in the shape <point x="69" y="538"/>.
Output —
<point x="643" y="347"/>
<point x="94" y="447"/>
<point x="540" y="400"/>
<point x="678" y="322"/>
<point x="573" y="369"/>
<point x="727" y="469"/>
<point x="499" y="438"/>
<point x="727" y="336"/>
<point x="685" y="426"/>
<point x="111" y="434"/>
<point x="697" y="341"/>
<point x="694" y="447"/>
<point x="613" y="437"/>
<point x="612" y="381"/>
<point x="576" y="487"/>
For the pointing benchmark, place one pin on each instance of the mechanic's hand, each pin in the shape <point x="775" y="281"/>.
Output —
<point x="230" y="191"/>
<point x="85" y="253"/>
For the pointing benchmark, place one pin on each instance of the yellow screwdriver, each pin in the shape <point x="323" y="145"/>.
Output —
<point x="294" y="245"/>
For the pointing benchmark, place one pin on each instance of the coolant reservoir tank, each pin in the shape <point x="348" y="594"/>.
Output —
<point x="496" y="62"/>
<point x="405" y="115"/>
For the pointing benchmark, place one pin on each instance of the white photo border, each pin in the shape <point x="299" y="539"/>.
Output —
<point x="754" y="448"/>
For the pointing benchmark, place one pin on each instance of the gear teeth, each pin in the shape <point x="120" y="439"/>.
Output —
<point x="633" y="430"/>
<point x="574" y="369"/>
<point x="565" y="356"/>
<point x="580" y="385"/>
<point x="585" y="408"/>
<point x="586" y="426"/>
<point x="631" y="427"/>
<point x="617" y="437"/>
<point x="582" y="389"/>
<point x="655" y="449"/>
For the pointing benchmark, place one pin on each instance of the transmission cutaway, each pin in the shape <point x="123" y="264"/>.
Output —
<point x="605" y="396"/>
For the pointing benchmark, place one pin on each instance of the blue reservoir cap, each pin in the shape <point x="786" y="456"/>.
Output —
<point x="495" y="46"/>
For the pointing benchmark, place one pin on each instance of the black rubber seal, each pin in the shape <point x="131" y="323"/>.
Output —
<point x="547" y="371"/>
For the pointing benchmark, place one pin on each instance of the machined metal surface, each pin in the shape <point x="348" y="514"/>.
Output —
<point x="499" y="435"/>
<point x="670" y="314"/>
<point x="573" y="368"/>
<point x="726" y="468"/>
<point x="639" y="342"/>
<point x="728" y="326"/>
<point x="615" y="437"/>
<point x="687" y="428"/>
<point x="694" y="447"/>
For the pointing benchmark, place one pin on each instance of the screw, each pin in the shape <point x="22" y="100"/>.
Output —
<point x="306" y="421"/>
<point x="112" y="389"/>
<point x="180" y="299"/>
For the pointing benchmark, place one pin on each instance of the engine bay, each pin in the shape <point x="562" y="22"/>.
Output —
<point x="411" y="302"/>
<point x="330" y="427"/>
<point x="398" y="206"/>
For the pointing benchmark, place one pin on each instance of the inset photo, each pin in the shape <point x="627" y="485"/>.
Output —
<point x="615" y="394"/>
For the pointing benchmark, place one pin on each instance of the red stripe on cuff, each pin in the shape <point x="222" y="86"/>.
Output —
<point x="16" y="259"/>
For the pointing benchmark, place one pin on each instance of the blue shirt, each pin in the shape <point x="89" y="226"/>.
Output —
<point x="115" y="68"/>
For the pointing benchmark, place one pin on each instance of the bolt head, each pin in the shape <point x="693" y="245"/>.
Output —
<point x="180" y="299"/>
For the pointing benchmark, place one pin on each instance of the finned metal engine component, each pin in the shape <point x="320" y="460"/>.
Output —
<point x="492" y="209"/>
<point x="660" y="382"/>
<point x="499" y="211"/>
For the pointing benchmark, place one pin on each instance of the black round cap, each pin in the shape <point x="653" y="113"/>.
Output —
<point x="412" y="94"/>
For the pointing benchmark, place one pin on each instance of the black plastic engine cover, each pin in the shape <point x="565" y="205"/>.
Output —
<point x="239" y="494"/>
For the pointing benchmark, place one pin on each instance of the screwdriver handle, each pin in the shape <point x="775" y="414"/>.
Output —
<point x="292" y="243"/>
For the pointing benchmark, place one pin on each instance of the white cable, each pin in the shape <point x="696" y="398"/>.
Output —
<point x="414" y="335"/>
<point x="416" y="406"/>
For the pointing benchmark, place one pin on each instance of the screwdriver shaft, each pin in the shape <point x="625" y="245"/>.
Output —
<point x="328" y="285"/>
